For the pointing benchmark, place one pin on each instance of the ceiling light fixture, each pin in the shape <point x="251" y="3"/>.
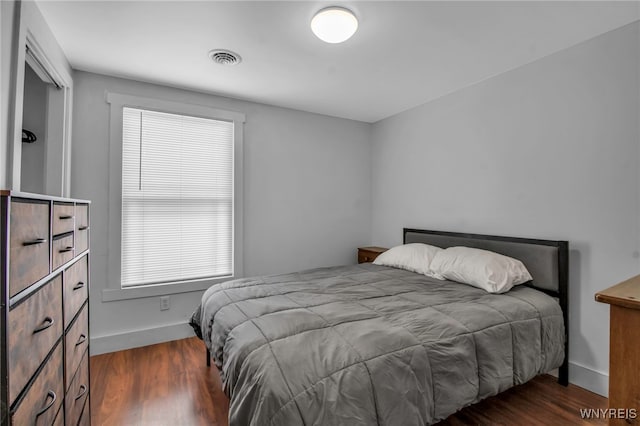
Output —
<point x="334" y="24"/>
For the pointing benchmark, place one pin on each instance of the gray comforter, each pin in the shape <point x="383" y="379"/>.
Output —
<point x="371" y="345"/>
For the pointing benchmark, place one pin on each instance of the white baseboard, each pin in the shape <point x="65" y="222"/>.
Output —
<point x="138" y="338"/>
<point x="588" y="378"/>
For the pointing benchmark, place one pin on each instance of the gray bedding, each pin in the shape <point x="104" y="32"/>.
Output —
<point x="371" y="345"/>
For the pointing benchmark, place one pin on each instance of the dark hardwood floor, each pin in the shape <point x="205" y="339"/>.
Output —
<point x="170" y="384"/>
<point x="164" y="384"/>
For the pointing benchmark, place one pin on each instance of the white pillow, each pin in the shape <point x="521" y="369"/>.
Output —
<point x="415" y="257"/>
<point x="484" y="269"/>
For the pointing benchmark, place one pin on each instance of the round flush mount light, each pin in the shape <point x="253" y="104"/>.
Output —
<point x="334" y="24"/>
<point x="224" y="57"/>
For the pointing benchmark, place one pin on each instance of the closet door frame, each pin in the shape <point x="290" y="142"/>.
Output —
<point x="45" y="56"/>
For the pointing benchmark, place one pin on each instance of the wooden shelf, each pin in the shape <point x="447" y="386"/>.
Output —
<point x="626" y="294"/>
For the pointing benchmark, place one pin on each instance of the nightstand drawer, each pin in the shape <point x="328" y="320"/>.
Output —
<point x="29" y="241"/>
<point x="369" y="254"/>
<point x="36" y="325"/>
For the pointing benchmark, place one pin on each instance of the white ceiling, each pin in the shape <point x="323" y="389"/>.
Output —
<point x="403" y="54"/>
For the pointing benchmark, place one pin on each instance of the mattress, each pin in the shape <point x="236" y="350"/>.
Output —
<point x="371" y="345"/>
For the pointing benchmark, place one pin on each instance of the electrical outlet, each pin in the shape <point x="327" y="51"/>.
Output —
<point x="164" y="303"/>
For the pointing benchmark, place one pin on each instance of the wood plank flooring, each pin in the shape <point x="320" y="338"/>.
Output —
<point x="170" y="384"/>
<point x="164" y="384"/>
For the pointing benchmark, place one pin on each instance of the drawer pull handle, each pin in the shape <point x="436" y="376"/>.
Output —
<point x="51" y="394"/>
<point x="78" y="286"/>
<point x="81" y="340"/>
<point x="66" y="217"/>
<point x="83" y="390"/>
<point x="83" y="228"/>
<point x="34" y="242"/>
<point x="46" y="323"/>
<point x="66" y="249"/>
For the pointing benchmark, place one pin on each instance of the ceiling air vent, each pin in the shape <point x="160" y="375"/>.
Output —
<point x="224" y="57"/>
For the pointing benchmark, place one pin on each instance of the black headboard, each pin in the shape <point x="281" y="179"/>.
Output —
<point x="546" y="260"/>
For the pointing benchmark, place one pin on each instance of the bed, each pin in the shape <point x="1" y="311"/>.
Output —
<point x="373" y="345"/>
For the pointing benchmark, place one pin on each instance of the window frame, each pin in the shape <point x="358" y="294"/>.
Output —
<point x="117" y="101"/>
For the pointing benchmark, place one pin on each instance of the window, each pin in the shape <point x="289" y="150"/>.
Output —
<point x="177" y="195"/>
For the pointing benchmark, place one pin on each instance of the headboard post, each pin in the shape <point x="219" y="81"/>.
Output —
<point x="563" y="290"/>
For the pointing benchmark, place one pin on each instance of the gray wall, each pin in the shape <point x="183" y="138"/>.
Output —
<point x="549" y="150"/>
<point x="306" y="198"/>
<point x="34" y="115"/>
<point x="8" y="25"/>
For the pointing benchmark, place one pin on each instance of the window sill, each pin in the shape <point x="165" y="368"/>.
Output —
<point x="114" y="294"/>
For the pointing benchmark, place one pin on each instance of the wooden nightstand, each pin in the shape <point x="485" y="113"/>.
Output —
<point x="624" y="347"/>
<point x="369" y="254"/>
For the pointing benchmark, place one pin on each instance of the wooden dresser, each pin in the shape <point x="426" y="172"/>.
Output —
<point x="44" y="357"/>
<point x="624" y="350"/>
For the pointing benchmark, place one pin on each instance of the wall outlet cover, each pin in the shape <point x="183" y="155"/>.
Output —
<point x="164" y="303"/>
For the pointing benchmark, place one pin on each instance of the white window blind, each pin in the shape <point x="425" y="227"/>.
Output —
<point x="177" y="198"/>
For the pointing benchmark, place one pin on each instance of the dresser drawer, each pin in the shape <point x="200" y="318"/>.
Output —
<point x="82" y="227"/>
<point x="59" y="421"/>
<point x="78" y="392"/>
<point x="29" y="242"/>
<point x="35" y="325"/>
<point x="43" y="400"/>
<point x="76" y="342"/>
<point x="75" y="289"/>
<point x="85" y="420"/>
<point x="63" y="251"/>
<point x="63" y="218"/>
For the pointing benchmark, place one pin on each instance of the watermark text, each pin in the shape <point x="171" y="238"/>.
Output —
<point x="608" y="413"/>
